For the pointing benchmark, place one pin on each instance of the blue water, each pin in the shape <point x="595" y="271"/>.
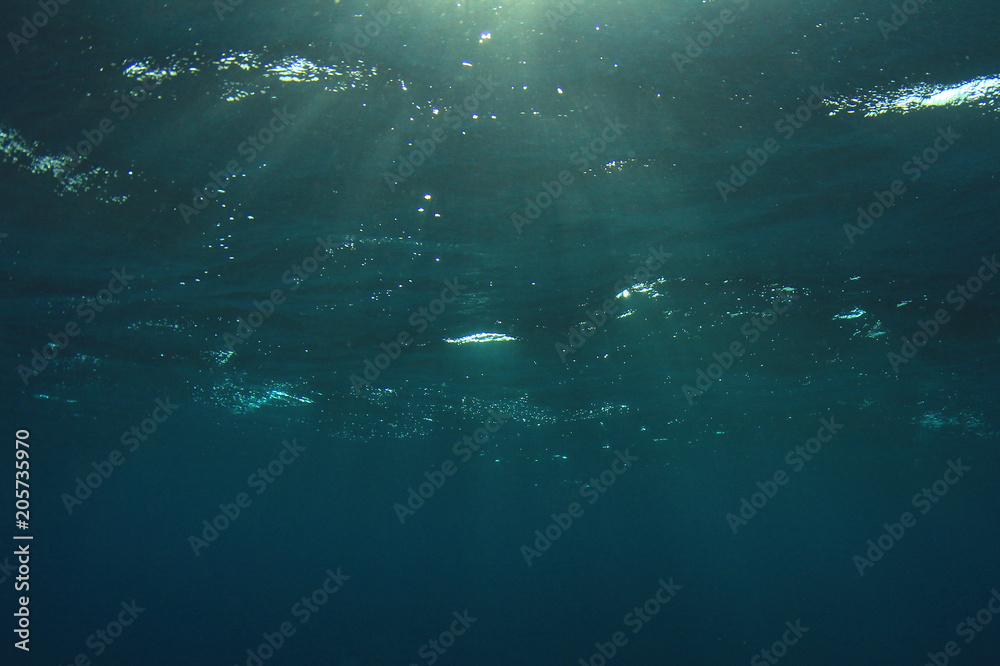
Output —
<point x="521" y="334"/>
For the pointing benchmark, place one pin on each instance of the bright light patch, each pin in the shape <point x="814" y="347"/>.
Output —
<point x="637" y="288"/>
<point x="482" y="337"/>
<point x="984" y="92"/>
<point x="853" y="314"/>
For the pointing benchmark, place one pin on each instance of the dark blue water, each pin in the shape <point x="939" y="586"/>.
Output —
<point x="622" y="333"/>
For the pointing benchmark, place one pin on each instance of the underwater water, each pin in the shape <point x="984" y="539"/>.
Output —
<point x="424" y="332"/>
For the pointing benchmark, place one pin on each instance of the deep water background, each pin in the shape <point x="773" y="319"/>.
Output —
<point x="64" y="229"/>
